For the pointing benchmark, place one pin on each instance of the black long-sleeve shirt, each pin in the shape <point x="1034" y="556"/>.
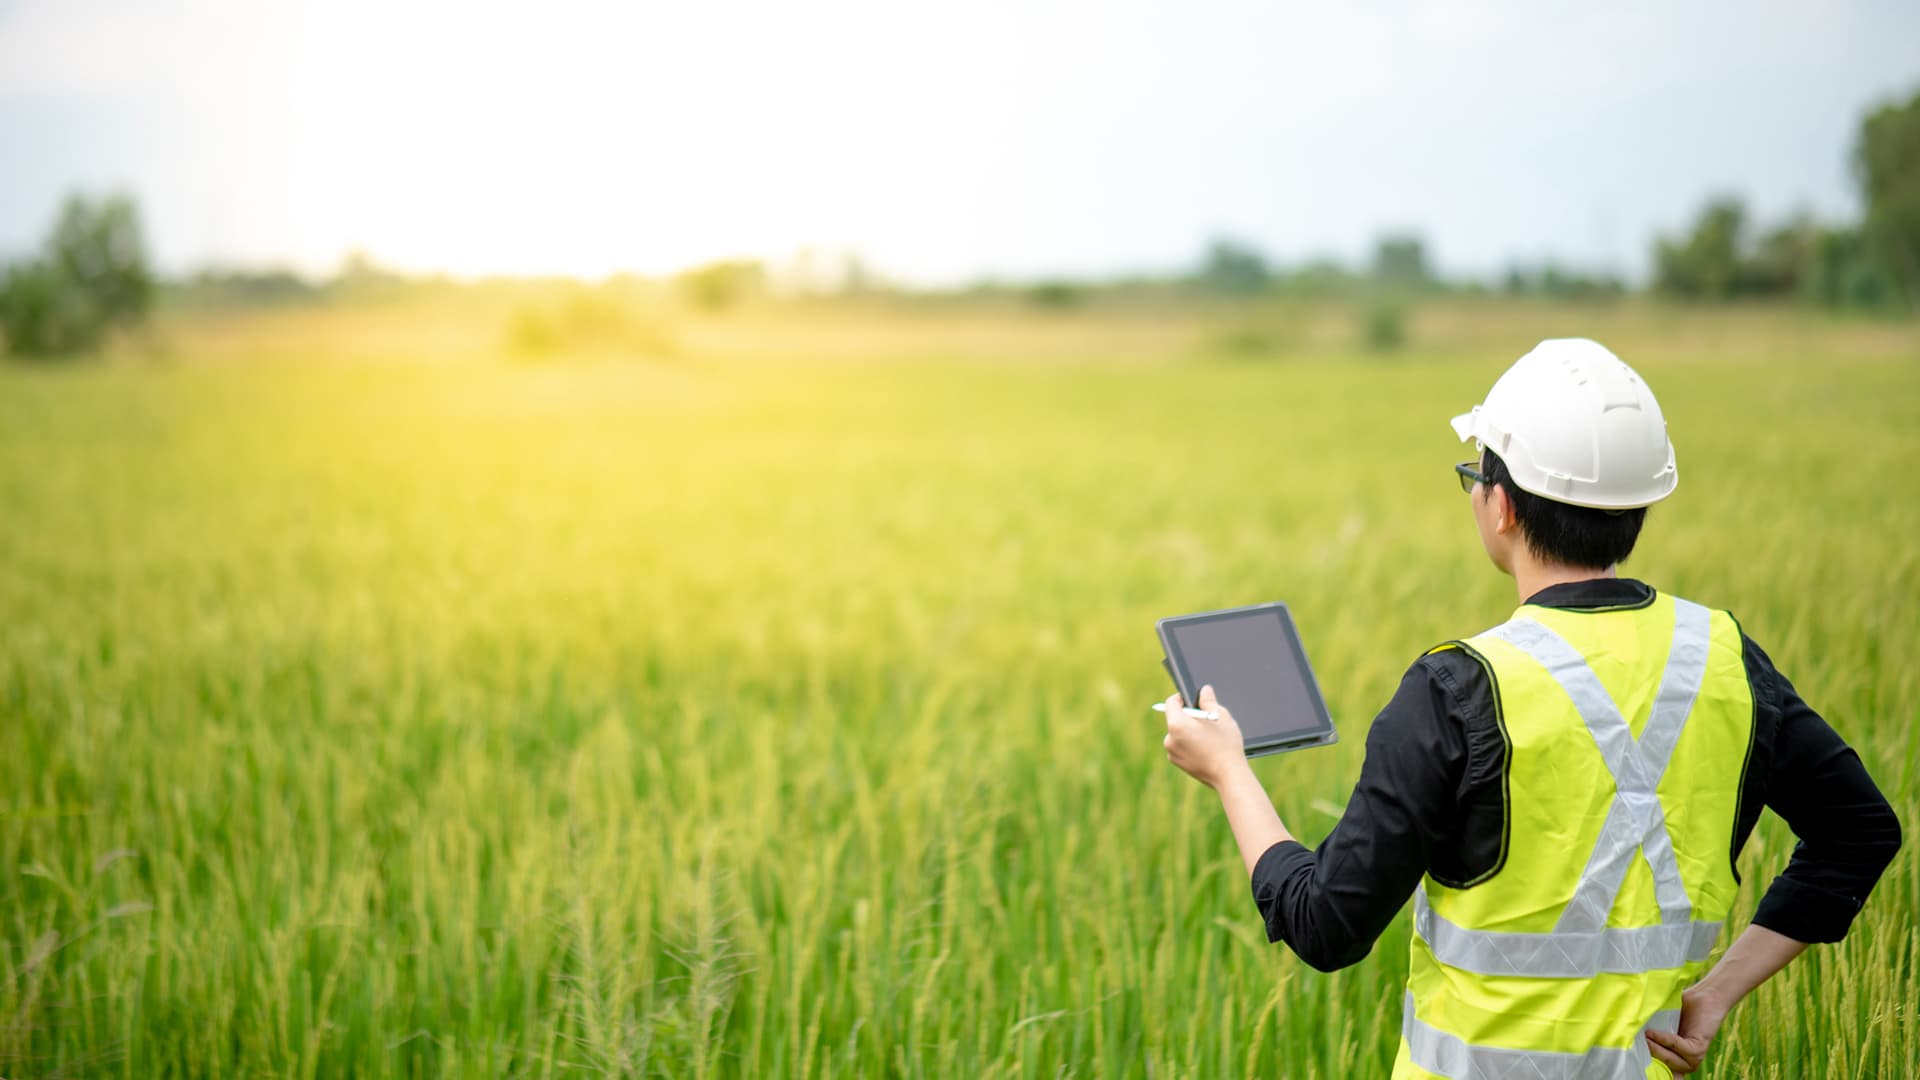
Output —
<point x="1432" y="798"/>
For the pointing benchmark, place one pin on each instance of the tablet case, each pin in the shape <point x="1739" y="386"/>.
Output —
<point x="1328" y="738"/>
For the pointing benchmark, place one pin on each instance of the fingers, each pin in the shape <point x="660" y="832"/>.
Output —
<point x="1680" y="1054"/>
<point x="1211" y="702"/>
<point x="1668" y="1058"/>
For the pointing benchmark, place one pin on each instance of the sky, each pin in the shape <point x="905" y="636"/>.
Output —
<point x="943" y="141"/>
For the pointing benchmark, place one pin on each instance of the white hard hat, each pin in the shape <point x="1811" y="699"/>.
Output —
<point x="1576" y="425"/>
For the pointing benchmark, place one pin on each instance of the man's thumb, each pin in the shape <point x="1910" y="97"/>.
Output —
<point x="1207" y="700"/>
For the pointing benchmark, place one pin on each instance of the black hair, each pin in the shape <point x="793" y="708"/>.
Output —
<point x="1558" y="532"/>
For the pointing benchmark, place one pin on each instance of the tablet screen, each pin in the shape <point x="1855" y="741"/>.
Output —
<point x="1253" y="659"/>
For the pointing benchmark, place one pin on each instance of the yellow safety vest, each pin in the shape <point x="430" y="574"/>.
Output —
<point x="1627" y="734"/>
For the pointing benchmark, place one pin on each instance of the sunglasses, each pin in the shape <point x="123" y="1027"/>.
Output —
<point x="1470" y="475"/>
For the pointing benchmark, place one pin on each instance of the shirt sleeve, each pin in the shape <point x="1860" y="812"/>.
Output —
<point x="1847" y="833"/>
<point x="1330" y="904"/>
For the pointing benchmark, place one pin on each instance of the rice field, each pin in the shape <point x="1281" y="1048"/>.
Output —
<point x="375" y="703"/>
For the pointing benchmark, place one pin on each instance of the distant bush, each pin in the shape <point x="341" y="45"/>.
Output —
<point x="587" y="320"/>
<point x="1400" y="265"/>
<point x="1056" y="294"/>
<point x="1400" y="261"/>
<point x="90" y="278"/>
<point x="245" y="289"/>
<point x="1383" y="326"/>
<point x="721" y="285"/>
<point x="1556" y="282"/>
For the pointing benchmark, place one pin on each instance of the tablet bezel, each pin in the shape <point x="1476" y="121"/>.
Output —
<point x="1325" y="735"/>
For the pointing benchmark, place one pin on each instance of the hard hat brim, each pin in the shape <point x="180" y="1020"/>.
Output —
<point x="1464" y="426"/>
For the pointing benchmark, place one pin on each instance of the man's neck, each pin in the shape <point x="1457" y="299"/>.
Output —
<point x="1530" y="576"/>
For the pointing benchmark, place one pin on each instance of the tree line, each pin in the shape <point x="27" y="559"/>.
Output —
<point x="92" y="276"/>
<point x="1872" y="264"/>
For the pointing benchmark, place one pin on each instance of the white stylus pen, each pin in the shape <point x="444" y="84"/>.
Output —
<point x="1161" y="706"/>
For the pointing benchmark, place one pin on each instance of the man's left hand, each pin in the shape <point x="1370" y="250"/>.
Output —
<point x="1206" y="750"/>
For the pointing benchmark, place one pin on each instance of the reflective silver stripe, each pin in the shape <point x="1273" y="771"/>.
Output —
<point x="1635" y="821"/>
<point x="1448" y="1055"/>
<point x="1668" y="890"/>
<point x="1606" y="869"/>
<point x="1562" y="954"/>
<point x="1680" y="684"/>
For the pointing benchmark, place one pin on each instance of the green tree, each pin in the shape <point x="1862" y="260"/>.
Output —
<point x="1705" y="265"/>
<point x="1886" y="162"/>
<point x="1844" y="273"/>
<point x="1233" y="267"/>
<point x="90" y="278"/>
<point x="98" y="248"/>
<point x="1400" y="259"/>
<point x="1781" y="261"/>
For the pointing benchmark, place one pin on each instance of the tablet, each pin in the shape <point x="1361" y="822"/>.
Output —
<point x="1253" y="658"/>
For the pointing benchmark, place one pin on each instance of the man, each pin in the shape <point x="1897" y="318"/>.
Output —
<point x="1565" y="795"/>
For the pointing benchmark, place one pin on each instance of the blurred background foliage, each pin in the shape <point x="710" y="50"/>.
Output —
<point x="92" y="279"/>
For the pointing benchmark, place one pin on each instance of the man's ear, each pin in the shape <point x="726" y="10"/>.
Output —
<point x="1504" y="519"/>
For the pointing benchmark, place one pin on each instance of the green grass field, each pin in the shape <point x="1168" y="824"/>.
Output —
<point x="374" y="704"/>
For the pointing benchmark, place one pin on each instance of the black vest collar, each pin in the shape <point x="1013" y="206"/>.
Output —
<point x="1596" y="594"/>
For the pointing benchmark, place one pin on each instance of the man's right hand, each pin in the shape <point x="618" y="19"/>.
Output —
<point x="1700" y="1017"/>
<point x="1752" y="959"/>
